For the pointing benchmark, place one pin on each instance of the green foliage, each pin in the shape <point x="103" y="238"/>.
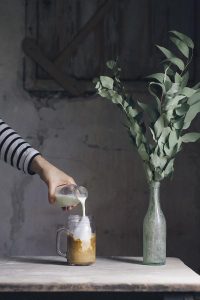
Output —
<point x="157" y="128"/>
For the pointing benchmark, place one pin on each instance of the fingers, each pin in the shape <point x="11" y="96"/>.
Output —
<point x="51" y="199"/>
<point x="68" y="208"/>
<point x="51" y="194"/>
<point x="71" y="181"/>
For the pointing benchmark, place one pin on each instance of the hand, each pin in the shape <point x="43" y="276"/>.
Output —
<point x="52" y="176"/>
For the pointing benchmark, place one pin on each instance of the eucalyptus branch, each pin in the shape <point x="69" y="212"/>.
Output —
<point x="188" y="63"/>
<point x="175" y="109"/>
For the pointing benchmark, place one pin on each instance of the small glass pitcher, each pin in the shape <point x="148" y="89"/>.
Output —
<point x="81" y="240"/>
<point x="70" y="195"/>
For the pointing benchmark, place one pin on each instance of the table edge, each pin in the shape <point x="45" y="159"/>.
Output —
<point x="91" y="287"/>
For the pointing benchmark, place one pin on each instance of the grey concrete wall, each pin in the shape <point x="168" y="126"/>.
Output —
<point x="85" y="138"/>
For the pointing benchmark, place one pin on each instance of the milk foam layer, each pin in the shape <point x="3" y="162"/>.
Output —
<point x="83" y="231"/>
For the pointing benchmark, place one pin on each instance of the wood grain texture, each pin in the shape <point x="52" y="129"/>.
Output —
<point x="122" y="274"/>
<point x="33" y="51"/>
<point x="129" y="30"/>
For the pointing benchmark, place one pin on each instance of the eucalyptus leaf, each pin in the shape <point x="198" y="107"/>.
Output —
<point x="169" y="168"/>
<point x="143" y="152"/>
<point x="158" y="85"/>
<point x="159" y="126"/>
<point x="188" y="92"/>
<point x="115" y="97"/>
<point x="151" y="84"/>
<point x="165" y="51"/>
<point x="135" y="130"/>
<point x="97" y="84"/>
<point x="185" y="78"/>
<point x="173" y="102"/>
<point x="104" y="93"/>
<point x="157" y="161"/>
<point x="153" y="134"/>
<point x="168" y="70"/>
<point x="107" y="82"/>
<point x="152" y="113"/>
<point x="169" y="151"/>
<point x="163" y="139"/>
<point x="182" y="47"/>
<point x="138" y="140"/>
<point x="191" y="114"/>
<point x="161" y="77"/>
<point x="178" y="78"/>
<point x="179" y="123"/>
<point x="173" y="139"/>
<point x="148" y="172"/>
<point x="111" y="64"/>
<point x="194" y="98"/>
<point x="131" y="112"/>
<point x="182" y="109"/>
<point x="174" y="89"/>
<point x="196" y="86"/>
<point x="190" y="137"/>
<point x="110" y="94"/>
<point x="168" y="116"/>
<point x="158" y="174"/>
<point x="188" y="41"/>
<point x="176" y="61"/>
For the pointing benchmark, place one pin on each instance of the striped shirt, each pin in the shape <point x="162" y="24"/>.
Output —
<point x="14" y="150"/>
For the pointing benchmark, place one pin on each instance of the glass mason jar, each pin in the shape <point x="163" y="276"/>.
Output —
<point x="81" y="240"/>
<point x="154" y="229"/>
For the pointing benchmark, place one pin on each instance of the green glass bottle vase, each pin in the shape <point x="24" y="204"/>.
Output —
<point x="154" y="229"/>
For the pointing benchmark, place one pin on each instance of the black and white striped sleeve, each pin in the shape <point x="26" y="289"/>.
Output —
<point x="14" y="150"/>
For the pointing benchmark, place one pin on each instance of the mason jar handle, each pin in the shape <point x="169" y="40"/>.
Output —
<point x="58" y="238"/>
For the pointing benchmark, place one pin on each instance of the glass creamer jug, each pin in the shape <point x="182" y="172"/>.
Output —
<point x="71" y="195"/>
<point x="80" y="236"/>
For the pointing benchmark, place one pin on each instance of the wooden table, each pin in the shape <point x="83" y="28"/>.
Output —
<point x="112" y="274"/>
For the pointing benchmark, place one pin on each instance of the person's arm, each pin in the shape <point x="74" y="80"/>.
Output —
<point x="51" y="175"/>
<point x="15" y="150"/>
<point x="19" y="154"/>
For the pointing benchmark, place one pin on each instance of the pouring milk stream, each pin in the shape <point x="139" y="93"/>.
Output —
<point x="72" y="195"/>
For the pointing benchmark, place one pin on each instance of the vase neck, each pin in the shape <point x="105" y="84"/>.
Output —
<point x="154" y="194"/>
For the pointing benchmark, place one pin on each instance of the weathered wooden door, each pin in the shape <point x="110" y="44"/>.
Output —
<point x="68" y="41"/>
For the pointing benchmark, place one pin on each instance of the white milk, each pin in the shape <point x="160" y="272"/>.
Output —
<point x="66" y="200"/>
<point x="70" y="200"/>
<point x="83" y="232"/>
<point x="82" y="200"/>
